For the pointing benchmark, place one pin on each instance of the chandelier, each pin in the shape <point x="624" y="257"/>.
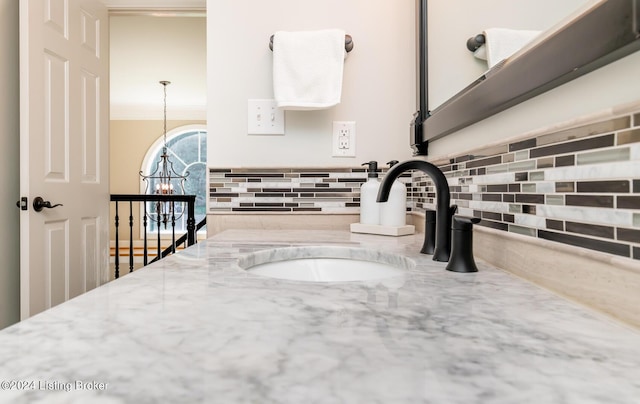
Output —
<point x="164" y="180"/>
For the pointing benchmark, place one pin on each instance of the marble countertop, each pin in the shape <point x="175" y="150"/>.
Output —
<point x="195" y="327"/>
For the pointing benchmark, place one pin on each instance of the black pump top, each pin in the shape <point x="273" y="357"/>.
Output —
<point x="392" y="163"/>
<point x="373" y="169"/>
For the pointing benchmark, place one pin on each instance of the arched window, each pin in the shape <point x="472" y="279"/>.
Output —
<point x="187" y="149"/>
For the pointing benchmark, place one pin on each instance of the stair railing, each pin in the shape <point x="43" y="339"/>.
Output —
<point x="190" y="235"/>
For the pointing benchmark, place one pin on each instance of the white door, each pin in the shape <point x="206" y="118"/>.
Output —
<point x="64" y="123"/>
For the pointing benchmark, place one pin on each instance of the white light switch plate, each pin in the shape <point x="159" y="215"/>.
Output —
<point x="264" y="118"/>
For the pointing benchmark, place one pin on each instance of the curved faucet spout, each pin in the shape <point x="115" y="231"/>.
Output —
<point x="443" y="199"/>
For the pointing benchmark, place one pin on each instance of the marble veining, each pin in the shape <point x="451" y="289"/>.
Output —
<point x="197" y="328"/>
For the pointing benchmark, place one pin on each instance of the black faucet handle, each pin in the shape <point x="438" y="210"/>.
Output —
<point x="464" y="222"/>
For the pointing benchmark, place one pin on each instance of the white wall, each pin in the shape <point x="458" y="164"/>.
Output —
<point x="378" y="87"/>
<point x="9" y="152"/>
<point x="146" y="49"/>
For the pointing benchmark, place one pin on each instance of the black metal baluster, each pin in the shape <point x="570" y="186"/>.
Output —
<point x="191" y="221"/>
<point x="130" y="236"/>
<point x="144" y="225"/>
<point x="117" y="257"/>
<point x="159" y="257"/>
<point x="173" y="228"/>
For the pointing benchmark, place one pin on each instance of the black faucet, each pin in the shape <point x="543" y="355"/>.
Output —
<point x="444" y="212"/>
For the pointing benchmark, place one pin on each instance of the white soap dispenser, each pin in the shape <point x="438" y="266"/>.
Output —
<point x="369" y="208"/>
<point x="394" y="211"/>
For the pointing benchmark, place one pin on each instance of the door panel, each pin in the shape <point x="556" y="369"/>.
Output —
<point x="56" y="262"/>
<point x="90" y="255"/>
<point x="64" y="140"/>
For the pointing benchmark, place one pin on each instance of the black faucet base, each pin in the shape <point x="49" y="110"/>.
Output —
<point x="462" y="245"/>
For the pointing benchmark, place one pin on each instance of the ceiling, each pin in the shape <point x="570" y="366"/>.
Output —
<point x="152" y="41"/>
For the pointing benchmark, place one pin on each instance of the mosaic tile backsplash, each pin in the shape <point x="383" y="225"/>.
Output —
<point x="579" y="186"/>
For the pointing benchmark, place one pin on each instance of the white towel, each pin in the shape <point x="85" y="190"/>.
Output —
<point x="500" y="43"/>
<point x="307" y="68"/>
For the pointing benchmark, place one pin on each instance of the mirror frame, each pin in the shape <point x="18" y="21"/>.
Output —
<point x="595" y="37"/>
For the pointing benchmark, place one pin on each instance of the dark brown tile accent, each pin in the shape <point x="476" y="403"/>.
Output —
<point x="321" y="185"/>
<point x="565" y="186"/>
<point x="261" y="209"/>
<point x="466" y="197"/>
<point x="223" y="194"/>
<point x="514" y="187"/>
<point x="492" y="216"/>
<point x="269" y="195"/>
<point x="485" y="162"/>
<point x="314" y="175"/>
<point x="592" y="244"/>
<point x="219" y="170"/>
<point x="636" y="251"/>
<point x="492" y="197"/>
<point x="530" y="198"/>
<point x="462" y="159"/>
<point x="307" y="209"/>
<point x="603" y="186"/>
<point x="494" y="225"/>
<point x="264" y="175"/>
<point x="497" y="188"/>
<point x="253" y="179"/>
<point x="545" y="162"/>
<point x="525" y="144"/>
<point x="569" y="147"/>
<point x="636" y="186"/>
<point x="636" y="120"/>
<point x="508" y="218"/>
<point x="599" y="201"/>
<point x="631" y="235"/>
<point x="266" y="189"/>
<point x="320" y="190"/>
<point x="352" y="179"/>
<point x="522" y="176"/>
<point x="628" y="202"/>
<point x="630" y="136"/>
<point x="482" y="171"/>
<point x="529" y="209"/>
<point x="564" y="161"/>
<point x="590" y="230"/>
<point x="555" y="224"/>
<point x="508" y="198"/>
<point x="268" y="205"/>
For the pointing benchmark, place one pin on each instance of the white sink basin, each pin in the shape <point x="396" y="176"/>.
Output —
<point x="325" y="264"/>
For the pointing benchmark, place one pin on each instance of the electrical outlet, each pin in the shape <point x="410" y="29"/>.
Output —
<point x="344" y="139"/>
